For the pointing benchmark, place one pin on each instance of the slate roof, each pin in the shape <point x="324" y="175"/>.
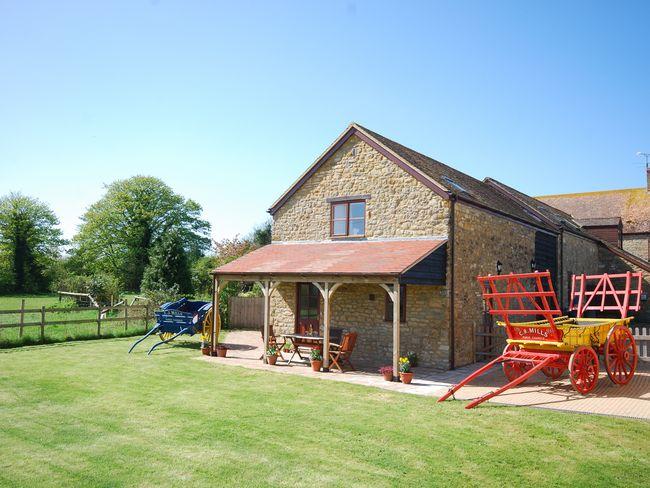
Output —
<point x="603" y="222"/>
<point x="631" y="205"/>
<point x="348" y="258"/>
<point x="553" y="216"/>
<point x="456" y="182"/>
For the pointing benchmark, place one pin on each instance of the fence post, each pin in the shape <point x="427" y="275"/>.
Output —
<point x="22" y="316"/>
<point x="99" y="321"/>
<point x="126" y="314"/>
<point x="146" y="317"/>
<point x="43" y="323"/>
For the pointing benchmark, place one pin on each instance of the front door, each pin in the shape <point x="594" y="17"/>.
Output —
<point x="308" y="308"/>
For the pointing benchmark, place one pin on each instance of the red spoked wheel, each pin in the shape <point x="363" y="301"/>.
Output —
<point x="583" y="369"/>
<point x="553" y="372"/>
<point x="513" y="369"/>
<point x="620" y="355"/>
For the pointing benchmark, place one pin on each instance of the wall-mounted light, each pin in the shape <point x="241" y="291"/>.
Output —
<point x="499" y="267"/>
<point x="533" y="265"/>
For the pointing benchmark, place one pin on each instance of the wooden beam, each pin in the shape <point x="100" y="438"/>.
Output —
<point x="267" y="288"/>
<point x="299" y="278"/>
<point x="396" y="318"/>
<point x="215" y="311"/>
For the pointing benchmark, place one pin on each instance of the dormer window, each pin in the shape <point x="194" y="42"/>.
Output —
<point x="348" y="218"/>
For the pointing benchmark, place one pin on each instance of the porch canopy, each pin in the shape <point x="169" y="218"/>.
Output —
<point x="328" y="265"/>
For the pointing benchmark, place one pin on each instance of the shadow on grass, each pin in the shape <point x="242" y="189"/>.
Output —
<point x="33" y="341"/>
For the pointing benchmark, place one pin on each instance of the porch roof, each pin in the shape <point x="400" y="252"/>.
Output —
<point x="340" y="258"/>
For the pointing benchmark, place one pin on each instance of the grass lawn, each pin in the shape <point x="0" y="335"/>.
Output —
<point x="10" y="337"/>
<point x="88" y="414"/>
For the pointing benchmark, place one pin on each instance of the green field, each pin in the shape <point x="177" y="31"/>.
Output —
<point x="88" y="414"/>
<point x="10" y="337"/>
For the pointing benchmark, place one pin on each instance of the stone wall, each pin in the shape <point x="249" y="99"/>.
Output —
<point x="399" y="205"/>
<point x="482" y="238"/>
<point x="639" y="245"/>
<point x="579" y="255"/>
<point x="360" y="308"/>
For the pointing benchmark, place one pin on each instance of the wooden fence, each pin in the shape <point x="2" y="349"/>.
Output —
<point x="246" y="313"/>
<point x="102" y="316"/>
<point x="491" y="339"/>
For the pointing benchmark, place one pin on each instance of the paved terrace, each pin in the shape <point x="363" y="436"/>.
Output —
<point x="632" y="400"/>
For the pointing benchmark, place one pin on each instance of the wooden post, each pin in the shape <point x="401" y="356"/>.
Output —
<point x="43" y="323"/>
<point x="22" y="316"/>
<point x="326" y="327"/>
<point x="396" y="317"/>
<point x="146" y="316"/>
<point x="99" y="321"/>
<point x="215" y="312"/>
<point x="266" y="289"/>
<point x="126" y="314"/>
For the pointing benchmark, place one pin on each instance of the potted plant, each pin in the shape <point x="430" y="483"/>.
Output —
<point x="316" y="358"/>
<point x="386" y="372"/>
<point x="272" y="355"/>
<point x="413" y="359"/>
<point x="205" y="345"/>
<point x="222" y="350"/>
<point x="405" y="374"/>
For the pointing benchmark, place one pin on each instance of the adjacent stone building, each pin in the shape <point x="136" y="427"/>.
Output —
<point x="373" y="226"/>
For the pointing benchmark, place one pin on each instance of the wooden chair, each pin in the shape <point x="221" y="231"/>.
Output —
<point x="340" y="353"/>
<point x="279" y="343"/>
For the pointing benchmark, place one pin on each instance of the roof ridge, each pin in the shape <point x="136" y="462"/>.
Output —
<point x="583" y="193"/>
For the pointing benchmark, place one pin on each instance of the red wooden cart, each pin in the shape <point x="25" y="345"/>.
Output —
<point x="553" y="343"/>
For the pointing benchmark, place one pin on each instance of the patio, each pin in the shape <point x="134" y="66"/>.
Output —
<point x="633" y="400"/>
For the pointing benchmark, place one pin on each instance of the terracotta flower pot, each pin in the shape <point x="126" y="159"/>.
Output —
<point x="205" y="351"/>
<point x="406" y="377"/>
<point x="222" y="351"/>
<point x="271" y="359"/>
<point x="316" y="365"/>
<point x="388" y="376"/>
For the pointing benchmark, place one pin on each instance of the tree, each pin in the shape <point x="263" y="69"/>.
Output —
<point x="119" y="232"/>
<point x="168" y="266"/>
<point x="29" y="242"/>
<point x="261" y="235"/>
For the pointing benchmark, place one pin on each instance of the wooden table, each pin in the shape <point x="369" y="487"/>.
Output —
<point x="300" y="340"/>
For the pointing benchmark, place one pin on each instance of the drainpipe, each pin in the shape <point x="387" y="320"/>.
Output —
<point x="562" y="281"/>
<point x="450" y="243"/>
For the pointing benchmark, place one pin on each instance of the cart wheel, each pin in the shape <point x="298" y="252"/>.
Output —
<point x="620" y="355"/>
<point x="583" y="369"/>
<point x="553" y="372"/>
<point x="165" y="335"/>
<point x="513" y="369"/>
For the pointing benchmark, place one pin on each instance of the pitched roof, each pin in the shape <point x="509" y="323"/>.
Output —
<point x="631" y="205"/>
<point x="339" y="258"/>
<point x="439" y="177"/>
<point x="456" y="182"/>
<point x="602" y="222"/>
<point x="553" y="216"/>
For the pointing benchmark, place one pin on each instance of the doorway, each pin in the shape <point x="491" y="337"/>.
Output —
<point x="308" y="309"/>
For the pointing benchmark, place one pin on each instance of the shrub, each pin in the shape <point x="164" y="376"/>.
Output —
<point x="160" y="293"/>
<point x="101" y="286"/>
<point x="316" y="355"/>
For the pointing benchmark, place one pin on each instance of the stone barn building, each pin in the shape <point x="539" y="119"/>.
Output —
<point x="378" y="239"/>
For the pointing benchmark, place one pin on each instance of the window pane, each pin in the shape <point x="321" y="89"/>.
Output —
<point x="357" y="227"/>
<point x="339" y="227"/>
<point x="340" y="211"/>
<point x="358" y="210"/>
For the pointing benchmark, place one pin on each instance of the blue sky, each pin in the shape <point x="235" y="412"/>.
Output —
<point x="228" y="102"/>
